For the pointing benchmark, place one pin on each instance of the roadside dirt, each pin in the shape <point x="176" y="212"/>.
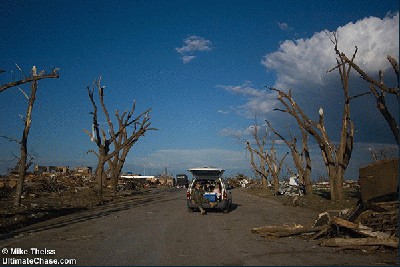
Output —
<point x="318" y="200"/>
<point x="43" y="201"/>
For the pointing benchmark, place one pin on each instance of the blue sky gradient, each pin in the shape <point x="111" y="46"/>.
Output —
<point x="139" y="49"/>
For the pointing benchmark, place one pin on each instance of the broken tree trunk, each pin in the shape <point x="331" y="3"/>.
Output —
<point x="392" y="242"/>
<point x="286" y="230"/>
<point x="275" y="228"/>
<point x="23" y="164"/>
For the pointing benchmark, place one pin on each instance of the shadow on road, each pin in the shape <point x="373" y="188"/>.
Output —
<point x="233" y="207"/>
<point x="78" y="215"/>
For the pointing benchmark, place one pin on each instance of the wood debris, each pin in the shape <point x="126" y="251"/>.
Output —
<point x="370" y="227"/>
<point x="370" y="241"/>
<point x="285" y="230"/>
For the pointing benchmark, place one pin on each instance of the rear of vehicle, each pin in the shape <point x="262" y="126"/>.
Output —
<point x="213" y="187"/>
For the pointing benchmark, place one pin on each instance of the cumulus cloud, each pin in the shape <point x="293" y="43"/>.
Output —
<point x="302" y="65"/>
<point x="258" y="102"/>
<point x="305" y="61"/>
<point x="193" y="44"/>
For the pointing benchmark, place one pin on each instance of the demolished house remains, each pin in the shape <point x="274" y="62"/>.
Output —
<point x="372" y="224"/>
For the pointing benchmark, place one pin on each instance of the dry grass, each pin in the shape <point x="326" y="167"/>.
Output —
<point x="318" y="200"/>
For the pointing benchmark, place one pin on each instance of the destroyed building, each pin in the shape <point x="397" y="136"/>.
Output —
<point x="50" y="169"/>
<point x="83" y="170"/>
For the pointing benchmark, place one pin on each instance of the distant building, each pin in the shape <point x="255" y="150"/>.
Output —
<point x="83" y="170"/>
<point x="50" y="169"/>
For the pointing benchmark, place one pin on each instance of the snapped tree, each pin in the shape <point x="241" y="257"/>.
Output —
<point x="301" y="159"/>
<point x="23" y="163"/>
<point x="261" y="169"/>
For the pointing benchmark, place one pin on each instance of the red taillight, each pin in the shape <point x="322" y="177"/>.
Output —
<point x="188" y="194"/>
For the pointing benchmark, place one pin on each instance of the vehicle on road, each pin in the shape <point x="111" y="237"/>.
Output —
<point x="182" y="181"/>
<point x="215" y="188"/>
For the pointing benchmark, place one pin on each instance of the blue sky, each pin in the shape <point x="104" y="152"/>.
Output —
<point x="200" y="65"/>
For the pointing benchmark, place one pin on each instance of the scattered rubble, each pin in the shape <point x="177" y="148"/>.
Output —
<point x="291" y="187"/>
<point x="369" y="228"/>
<point x="47" y="195"/>
<point x="372" y="224"/>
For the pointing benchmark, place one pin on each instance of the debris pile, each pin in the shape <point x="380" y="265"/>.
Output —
<point x="45" y="184"/>
<point x="370" y="225"/>
<point x="291" y="187"/>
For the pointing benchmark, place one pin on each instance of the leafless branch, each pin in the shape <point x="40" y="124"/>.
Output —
<point x="359" y="95"/>
<point x="395" y="66"/>
<point x="92" y="151"/>
<point x="54" y="74"/>
<point x="20" y="70"/>
<point x="11" y="139"/>
<point x="23" y="92"/>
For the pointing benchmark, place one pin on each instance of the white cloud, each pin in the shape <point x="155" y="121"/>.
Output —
<point x="248" y="134"/>
<point x="224" y="112"/>
<point x="305" y="61"/>
<point x="238" y="134"/>
<point x="245" y="89"/>
<point x="187" y="59"/>
<point x="258" y="102"/>
<point x="193" y="44"/>
<point x="283" y="26"/>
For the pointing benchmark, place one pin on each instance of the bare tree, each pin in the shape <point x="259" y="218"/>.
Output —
<point x="114" y="147"/>
<point x="336" y="157"/>
<point x="23" y="160"/>
<point x="383" y="153"/>
<point x="302" y="159"/>
<point x="274" y="165"/>
<point x="268" y="157"/>
<point x="260" y="169"/>
<point x="124" y="142"/>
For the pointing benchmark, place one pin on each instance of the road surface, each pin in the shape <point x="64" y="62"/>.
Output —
<point x="157" y="230"/>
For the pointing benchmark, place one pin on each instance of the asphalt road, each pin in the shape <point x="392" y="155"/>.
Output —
<point x="158" y="230"/>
